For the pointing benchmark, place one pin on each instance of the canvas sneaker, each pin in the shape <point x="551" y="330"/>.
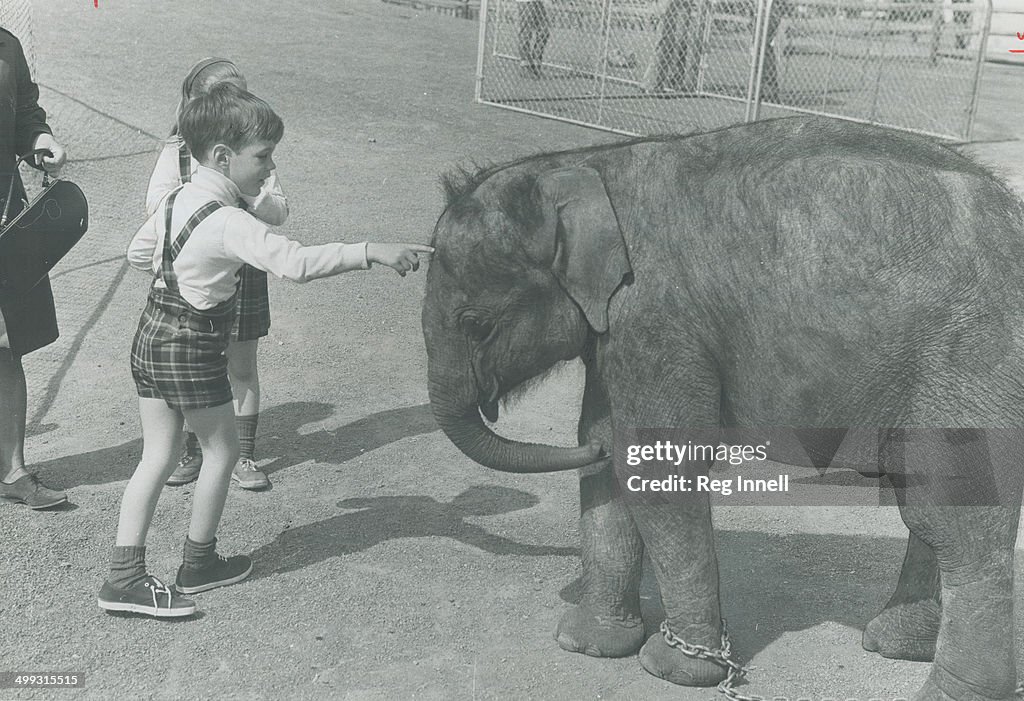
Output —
<point x="249" y="476"/>
<point x="188" y="468"/>
<point x="149" y="596"/>
<point x="29" y="490"/>
<point x="220" y="572"/>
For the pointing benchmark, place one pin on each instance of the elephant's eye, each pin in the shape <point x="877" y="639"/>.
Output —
<point x="476" y="328"/>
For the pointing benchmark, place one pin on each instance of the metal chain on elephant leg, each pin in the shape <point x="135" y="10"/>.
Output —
<point x="722" y="656"/>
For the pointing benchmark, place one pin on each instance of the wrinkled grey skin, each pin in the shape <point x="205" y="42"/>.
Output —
<point x="797" y="272"/>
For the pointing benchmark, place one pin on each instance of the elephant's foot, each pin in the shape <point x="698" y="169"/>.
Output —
<point x="580" y="630"/>
<point x="664" y="661"/>
<point x="942" y="686"/>
<point x="905" y="631"/>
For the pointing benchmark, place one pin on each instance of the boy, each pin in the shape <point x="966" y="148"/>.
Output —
<point x="195" y="244"/>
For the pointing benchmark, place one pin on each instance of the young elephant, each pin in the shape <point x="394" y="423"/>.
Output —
<point x="802" y="273"/>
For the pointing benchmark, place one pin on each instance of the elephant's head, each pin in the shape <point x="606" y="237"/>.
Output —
<point x="526" y="262"/>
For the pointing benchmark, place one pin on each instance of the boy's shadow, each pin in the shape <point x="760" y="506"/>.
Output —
<point x="278" y="438"/>
<point x="379" y="519"/>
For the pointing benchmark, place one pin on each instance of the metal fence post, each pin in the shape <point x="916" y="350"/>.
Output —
<point x="480" y="49"/>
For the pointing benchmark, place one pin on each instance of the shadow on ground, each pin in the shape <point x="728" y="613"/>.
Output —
<point x="772" y="584"/>
<point x="375" y="520"/>
<point x="279" y="438"/>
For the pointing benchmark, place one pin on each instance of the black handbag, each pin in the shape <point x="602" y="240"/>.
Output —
<point x="42" y="233"/>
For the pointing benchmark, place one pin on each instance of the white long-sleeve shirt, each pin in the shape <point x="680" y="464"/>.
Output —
<point x="270" y="206"/>
<point x="207" y="266"/>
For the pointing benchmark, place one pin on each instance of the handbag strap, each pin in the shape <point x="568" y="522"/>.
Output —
<point x="14" y="175"/>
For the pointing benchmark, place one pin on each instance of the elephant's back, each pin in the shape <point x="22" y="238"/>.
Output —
<point x="881" y="271"/>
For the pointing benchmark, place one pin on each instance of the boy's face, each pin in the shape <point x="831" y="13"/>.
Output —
<point x="249" y="167"/>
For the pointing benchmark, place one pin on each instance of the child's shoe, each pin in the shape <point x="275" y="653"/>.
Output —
<point x="189" y="464"/>
<point x="149" y="596"/>
<point x="249" y="476"/>
<point x="219" y="572"/>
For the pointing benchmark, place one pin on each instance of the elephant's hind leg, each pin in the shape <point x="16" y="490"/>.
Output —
<point x="908" y="626"/>
<point x="607" y="622"/>
<point x="961" y="497"/>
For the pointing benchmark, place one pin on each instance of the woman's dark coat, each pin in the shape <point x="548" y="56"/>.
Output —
<point x="30" y="318"/>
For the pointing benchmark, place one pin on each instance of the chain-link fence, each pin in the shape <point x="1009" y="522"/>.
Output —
<point x="658" y="66"/>
<point x="16" y="17"/>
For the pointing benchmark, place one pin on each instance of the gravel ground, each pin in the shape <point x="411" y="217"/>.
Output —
<point x="388" y="565"/>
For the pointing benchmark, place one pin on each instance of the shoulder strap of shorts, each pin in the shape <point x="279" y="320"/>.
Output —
<point x="166" y="272"/>
<point x="195" y="220"/>
<point x="171" y="250"/>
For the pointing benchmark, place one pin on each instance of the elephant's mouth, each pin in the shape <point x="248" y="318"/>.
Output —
<point x="490" y="393"/>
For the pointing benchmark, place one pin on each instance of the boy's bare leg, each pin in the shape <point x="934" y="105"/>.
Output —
<point x="217" y="436"/>
<point x="202" y="567"/>
<point x="161" y="436"/>
<point x="129" y="587"/>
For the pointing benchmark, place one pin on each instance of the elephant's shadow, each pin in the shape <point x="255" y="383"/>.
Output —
<point x="374" y="520"/>
<point x="772" y="584"/>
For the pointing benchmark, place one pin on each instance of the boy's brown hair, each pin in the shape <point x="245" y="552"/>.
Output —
<point x="227" y="115"/>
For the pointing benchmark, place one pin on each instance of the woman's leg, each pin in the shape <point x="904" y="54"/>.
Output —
<point x="12" y="416"/>
<point x="16" y="483"/>
<point x="245" y="385"/>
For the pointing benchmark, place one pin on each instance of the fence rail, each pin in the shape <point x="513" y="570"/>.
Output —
<point x="463" y="9"/>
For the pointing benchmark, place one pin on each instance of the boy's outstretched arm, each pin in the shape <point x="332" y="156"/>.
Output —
<point x="403" y="257"/>
<point x="248" y="240"/>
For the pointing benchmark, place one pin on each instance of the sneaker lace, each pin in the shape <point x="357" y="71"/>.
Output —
<point x="36" y="484"/>
<point x="247" y="465"/>
<point x="156" y="587"/>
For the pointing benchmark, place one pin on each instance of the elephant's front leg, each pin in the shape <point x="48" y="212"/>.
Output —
<point x="607" y="622"/>
<point x="679" y="541"/>
<point x="675" y="526"/>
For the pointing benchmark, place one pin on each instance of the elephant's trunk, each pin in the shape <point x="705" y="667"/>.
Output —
<point x="459" y="417"/>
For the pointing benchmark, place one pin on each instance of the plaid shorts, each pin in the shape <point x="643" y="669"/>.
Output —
<point x="253" y="318"/>
<point x="178" y="352"/>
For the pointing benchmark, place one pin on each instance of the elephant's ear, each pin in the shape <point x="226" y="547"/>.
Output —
<point x="590" y="256"/>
